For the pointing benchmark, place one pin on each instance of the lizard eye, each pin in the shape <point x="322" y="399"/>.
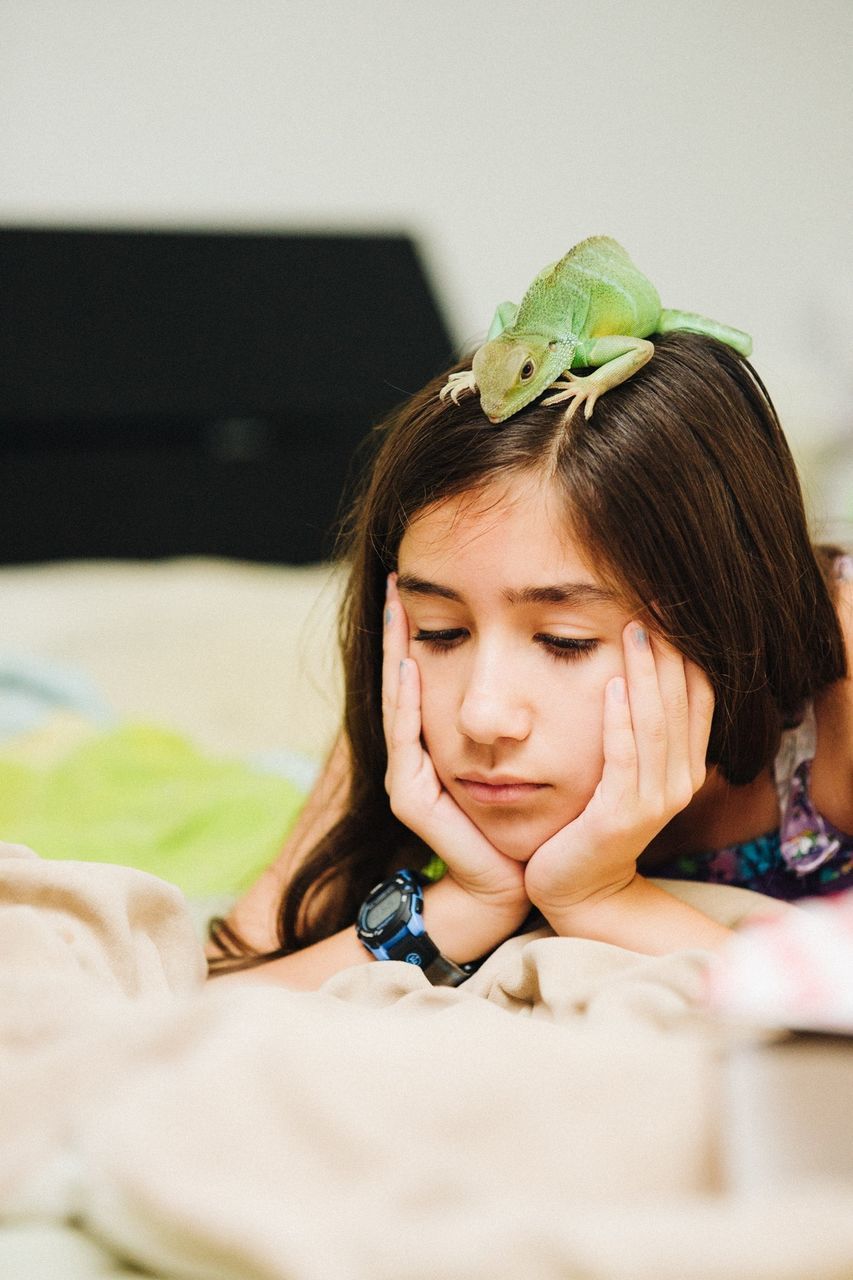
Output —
<point x="527" y="370"/>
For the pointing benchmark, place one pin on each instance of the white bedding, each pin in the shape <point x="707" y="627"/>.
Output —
<point x="556" y="1118"/>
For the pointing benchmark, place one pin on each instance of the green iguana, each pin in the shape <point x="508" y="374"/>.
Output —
<point x="592" y="309"/>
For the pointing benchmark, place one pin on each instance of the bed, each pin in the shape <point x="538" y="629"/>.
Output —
<point x="564" y="1114"/>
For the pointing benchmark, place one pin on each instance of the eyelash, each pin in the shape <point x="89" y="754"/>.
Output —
<point x="560" y="648"/>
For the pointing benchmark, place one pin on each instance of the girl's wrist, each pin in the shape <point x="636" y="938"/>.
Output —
<point x="571" y="908"/>
<point x="571" y="888"/>
<point x="592" y="916"/>
<point x="466" y="927"/>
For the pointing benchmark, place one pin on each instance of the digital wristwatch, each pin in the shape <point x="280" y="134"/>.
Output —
<point x="391" y="926"/>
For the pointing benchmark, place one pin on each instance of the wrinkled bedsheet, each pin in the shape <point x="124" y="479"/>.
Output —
<point x="558" y="1116"/>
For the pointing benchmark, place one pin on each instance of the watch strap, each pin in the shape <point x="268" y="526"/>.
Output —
<point x="446" y="973"/>
<point x="411" y="948"/>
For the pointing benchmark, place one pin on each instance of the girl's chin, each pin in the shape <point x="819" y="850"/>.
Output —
<point x="520" y="846"/>
<point x="517" y="835"/>
<point x="517" y="854"/>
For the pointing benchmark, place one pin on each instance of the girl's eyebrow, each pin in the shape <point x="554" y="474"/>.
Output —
<point x="566" y="593"/>
<point x="571" y="593"/>
<point x="408" y="584"/>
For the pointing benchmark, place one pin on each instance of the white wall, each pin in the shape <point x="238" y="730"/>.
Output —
<point x="711" y="137"/>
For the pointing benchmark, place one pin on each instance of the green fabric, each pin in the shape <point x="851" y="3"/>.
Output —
<point x="146" y="797"/>
<point x="435" y="868"/>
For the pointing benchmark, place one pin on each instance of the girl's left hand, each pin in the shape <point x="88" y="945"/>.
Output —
<point x="657" y="720"/>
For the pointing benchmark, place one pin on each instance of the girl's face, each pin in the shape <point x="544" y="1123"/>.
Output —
<point x="515" y="638"/>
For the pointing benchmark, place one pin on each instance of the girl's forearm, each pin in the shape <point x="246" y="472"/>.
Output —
<point x="463" y="928"/>
<point x="640" y="917"/>
<point x="307" y="969"/>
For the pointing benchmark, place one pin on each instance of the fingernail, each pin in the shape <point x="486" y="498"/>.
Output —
<point x="641" y="637"/>
<point x="387" y="615"/>
<point x="403" y="668"/>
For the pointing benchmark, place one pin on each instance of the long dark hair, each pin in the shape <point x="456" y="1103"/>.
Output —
<point x="683" y="490"/>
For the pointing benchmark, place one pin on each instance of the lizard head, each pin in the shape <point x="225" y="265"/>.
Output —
<point x="512" y="370"/>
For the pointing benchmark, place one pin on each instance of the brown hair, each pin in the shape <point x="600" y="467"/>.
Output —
<point x="684" y="492"/>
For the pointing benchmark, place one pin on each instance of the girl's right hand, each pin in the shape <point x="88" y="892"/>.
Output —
<point x="415" y="792"/>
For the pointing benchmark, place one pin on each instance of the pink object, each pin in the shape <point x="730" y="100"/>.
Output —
<point x="792" y="971"/>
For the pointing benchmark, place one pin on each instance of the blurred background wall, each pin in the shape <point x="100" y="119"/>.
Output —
<point x="712" y="139"/>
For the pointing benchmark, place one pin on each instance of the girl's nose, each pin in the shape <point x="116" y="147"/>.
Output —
<point x="491" y="708"/>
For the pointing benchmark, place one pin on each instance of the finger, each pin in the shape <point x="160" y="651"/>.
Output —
<point x="405" y="752"/>
<point x="687" y="700"/>
<point x="672" y="683"/>
<point x="620" y="775"/>
<point x="395" y="648"/>
<point x="648" y="714"/>
<point x="700" y="698"/>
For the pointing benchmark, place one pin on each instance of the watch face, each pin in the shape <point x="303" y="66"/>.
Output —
<point x="383" y="909"/>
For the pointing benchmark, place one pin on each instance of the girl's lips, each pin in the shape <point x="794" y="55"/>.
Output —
<point x="498" y="793"/>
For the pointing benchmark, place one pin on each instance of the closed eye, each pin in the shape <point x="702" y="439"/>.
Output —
<point x="566" y="648"/>
<point x="562" y="648"/>
<point x="443" y="640"/>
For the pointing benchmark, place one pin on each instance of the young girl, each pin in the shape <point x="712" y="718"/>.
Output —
<point x="576" y="654"/>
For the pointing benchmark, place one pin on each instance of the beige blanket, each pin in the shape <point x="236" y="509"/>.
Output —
<point x="559" y="1116"/>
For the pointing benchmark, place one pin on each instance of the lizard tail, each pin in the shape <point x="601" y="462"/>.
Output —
<point x="672" y="320"/>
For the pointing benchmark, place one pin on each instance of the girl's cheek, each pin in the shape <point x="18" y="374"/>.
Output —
<point x="610" y="660"/>
<point x="585" y="719"/>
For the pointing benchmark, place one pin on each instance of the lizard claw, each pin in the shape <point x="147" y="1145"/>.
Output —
<point x="577" y="390"/>
<point x="457" y="383"/>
